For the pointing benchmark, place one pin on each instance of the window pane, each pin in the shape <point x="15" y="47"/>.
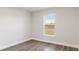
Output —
<point x="49" y="24"/>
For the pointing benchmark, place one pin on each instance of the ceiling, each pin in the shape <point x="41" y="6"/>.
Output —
<point x="33" y="9"/>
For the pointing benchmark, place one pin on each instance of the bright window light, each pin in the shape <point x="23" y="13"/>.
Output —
<point x="49" y="23"/>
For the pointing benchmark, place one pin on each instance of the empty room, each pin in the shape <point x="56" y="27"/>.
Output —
<point x="39" y="29"/>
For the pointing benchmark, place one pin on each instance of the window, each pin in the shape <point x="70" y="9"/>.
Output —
<point x="49" y="24"/>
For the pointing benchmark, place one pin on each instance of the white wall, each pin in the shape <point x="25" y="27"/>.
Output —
<point x="78" y="23"/>
<point x="14" y="26"/>
<point x="66" y="26"/>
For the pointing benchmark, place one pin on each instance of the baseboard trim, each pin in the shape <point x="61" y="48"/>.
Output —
<point x="4" y="47"/>
<point x="69" y="45"/>
<point x="7" y="46"/>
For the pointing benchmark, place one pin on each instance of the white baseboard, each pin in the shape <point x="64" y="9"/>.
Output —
<point x="6" y="46"/>
<point x="74" y="46"/>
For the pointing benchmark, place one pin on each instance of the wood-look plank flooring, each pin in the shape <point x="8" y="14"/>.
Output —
<point x="34" y="45"/>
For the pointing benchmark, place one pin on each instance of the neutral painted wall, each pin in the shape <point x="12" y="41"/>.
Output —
<point x="14" y="26"/>
<point x="78" y="23"/>
<point x="66" y="26"/>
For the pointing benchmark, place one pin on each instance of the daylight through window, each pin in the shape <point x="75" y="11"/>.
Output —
<point x="49" y="24"/>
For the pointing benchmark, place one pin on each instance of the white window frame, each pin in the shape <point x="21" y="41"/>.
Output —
<point x="44" y="25"/>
